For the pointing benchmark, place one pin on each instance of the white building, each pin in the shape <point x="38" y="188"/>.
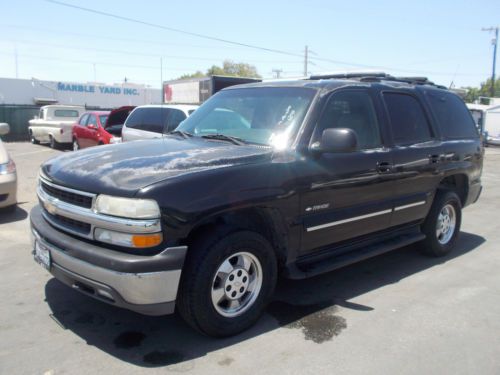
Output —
<point x="38" y="92"/>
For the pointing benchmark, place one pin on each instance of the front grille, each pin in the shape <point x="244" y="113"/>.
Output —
<point x="70" y="224"/>
<point x="67" y="196"/>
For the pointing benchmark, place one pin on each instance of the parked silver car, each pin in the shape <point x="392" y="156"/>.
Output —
<point x="152" y="121"/>
<point x="8" y="176"/>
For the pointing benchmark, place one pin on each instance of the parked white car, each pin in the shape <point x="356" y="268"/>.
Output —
<point x="8" y="176"/>
<point x="152" y="121"/>
<point x="54" y="124"/>
<point x="487" y="118"/>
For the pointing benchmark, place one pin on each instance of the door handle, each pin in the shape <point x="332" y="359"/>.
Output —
<point x="434" y="159"/>
<point x="384" y="167"/>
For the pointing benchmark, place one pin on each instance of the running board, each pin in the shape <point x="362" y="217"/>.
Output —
<point x="303" y="269"/>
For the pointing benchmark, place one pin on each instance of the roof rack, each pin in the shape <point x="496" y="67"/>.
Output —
<point x="376" y="77"/>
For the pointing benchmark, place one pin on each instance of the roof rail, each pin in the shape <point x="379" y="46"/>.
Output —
<point x="347" y="75"/>
<point x="376" y="77"/>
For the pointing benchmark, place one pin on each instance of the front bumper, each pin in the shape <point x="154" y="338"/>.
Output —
<point x="8" y="189"/>
<point x="145" y="284"/>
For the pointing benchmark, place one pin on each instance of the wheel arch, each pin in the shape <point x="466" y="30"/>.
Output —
<point x="459" y="183"/>
<point x="267" y="222"/>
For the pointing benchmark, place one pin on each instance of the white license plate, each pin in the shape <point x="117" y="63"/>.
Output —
<point x="42" y="254"/>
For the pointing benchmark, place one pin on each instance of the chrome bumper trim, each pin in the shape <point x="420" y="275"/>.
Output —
<point x="134" y="288"/>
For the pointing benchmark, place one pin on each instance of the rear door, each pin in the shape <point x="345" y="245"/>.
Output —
<point x="417" y="153"/>
<point x="346" y="195"/>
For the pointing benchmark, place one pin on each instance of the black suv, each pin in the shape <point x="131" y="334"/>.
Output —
<point x="276" y="178"/>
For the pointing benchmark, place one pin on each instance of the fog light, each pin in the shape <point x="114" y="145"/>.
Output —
<point x="127" y="239"/>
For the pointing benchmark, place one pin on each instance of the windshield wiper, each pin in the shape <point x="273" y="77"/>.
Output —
<point x="181" y="133"/>
<point x="223" y="137"/>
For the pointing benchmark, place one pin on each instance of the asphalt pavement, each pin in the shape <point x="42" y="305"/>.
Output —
<point x="399" y="313"/>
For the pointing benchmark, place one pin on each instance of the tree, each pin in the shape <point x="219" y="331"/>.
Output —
<point x="197" y="74"/>
<point x="484" y="90"/>
<point x="229" y="68"/>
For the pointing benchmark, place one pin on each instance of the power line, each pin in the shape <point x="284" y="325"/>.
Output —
<point x="150" y="24"/>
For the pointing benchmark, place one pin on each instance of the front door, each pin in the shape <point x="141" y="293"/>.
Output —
<point x="346" y="195"/>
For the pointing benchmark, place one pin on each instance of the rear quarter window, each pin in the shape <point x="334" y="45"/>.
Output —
<point x="454" y="119"/>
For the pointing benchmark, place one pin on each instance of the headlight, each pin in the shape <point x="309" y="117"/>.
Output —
<point x="7" y="168"/>
<point x="127" y="207"/>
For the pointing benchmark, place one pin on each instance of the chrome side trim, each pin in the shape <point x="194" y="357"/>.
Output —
<point x="140" y="288"/>
<point x="333" y="223"/>
<point x="56" y="207"/>
<point x="398" y="208"/>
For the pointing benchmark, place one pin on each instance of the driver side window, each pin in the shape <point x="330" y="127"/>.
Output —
<point x="352" y="109"/>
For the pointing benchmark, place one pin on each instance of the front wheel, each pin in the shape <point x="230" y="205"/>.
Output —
<point x="227" y="282"/>
<point x="53" y="143"/>
<point x="34" y="140"/>
<point x="442" y="225"/>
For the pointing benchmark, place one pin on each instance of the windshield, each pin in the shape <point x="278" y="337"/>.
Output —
<point x="264" y="115"/>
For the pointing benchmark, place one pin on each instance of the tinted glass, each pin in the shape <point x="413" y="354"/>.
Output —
<point x="353" y="110"/>
<point x="408" y="122"/>
<point x="148" y="119"/>
<point x="264" y="115"/>
<point x="453" y="117"/>
<point x="176" y="117"/>
<point x="83" y="119"/>
<point x="66" y="113"/>
<point x="92" y="121"/>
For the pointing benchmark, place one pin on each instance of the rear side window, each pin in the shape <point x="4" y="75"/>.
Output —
<point x="408" y="121"/>
<point x="148" y="119"/>
<point x="453" y="117"/>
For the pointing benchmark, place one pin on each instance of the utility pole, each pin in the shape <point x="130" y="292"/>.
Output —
<point x="278" y="72"/>
<point x="306" y="60"/>
<point x="161" y="80"/>
<point x="494" y="42"/>
<point x="15" y="57"/>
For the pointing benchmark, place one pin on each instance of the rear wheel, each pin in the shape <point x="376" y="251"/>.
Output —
<point x="76" y="145"/>
<point x="53" y="143"/>
<point x="442" y="225"/>
<point x="227" y="282"/>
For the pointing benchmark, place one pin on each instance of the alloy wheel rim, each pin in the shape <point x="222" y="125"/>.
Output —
<point x="236" y="284"/>
<point x="446" y="223"/>
<point x="75" y="146"/>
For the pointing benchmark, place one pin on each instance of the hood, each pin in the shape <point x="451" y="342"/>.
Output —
<point x="123" y="169"/>
<point x="118" y="116"/>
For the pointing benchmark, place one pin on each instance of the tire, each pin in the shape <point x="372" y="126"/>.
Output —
<point x="53" y="143"/>
<point x="33" y="139"/>
<point x="76" y="145"/>
<point x="439" y="241"/>
<point x="202" y="283"/>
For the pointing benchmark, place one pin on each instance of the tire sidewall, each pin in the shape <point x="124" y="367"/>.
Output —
<point x="207" y="317"/>
<point x="442" y="199"/>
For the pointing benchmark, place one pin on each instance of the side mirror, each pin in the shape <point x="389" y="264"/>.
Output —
<point x="336" y="140"/>
<point x="4" y="128"/>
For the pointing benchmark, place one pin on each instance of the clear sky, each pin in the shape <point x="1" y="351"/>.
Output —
<point x="438" y="39"/>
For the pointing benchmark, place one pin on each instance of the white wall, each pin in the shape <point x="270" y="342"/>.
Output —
<point x="24" y="91"/>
